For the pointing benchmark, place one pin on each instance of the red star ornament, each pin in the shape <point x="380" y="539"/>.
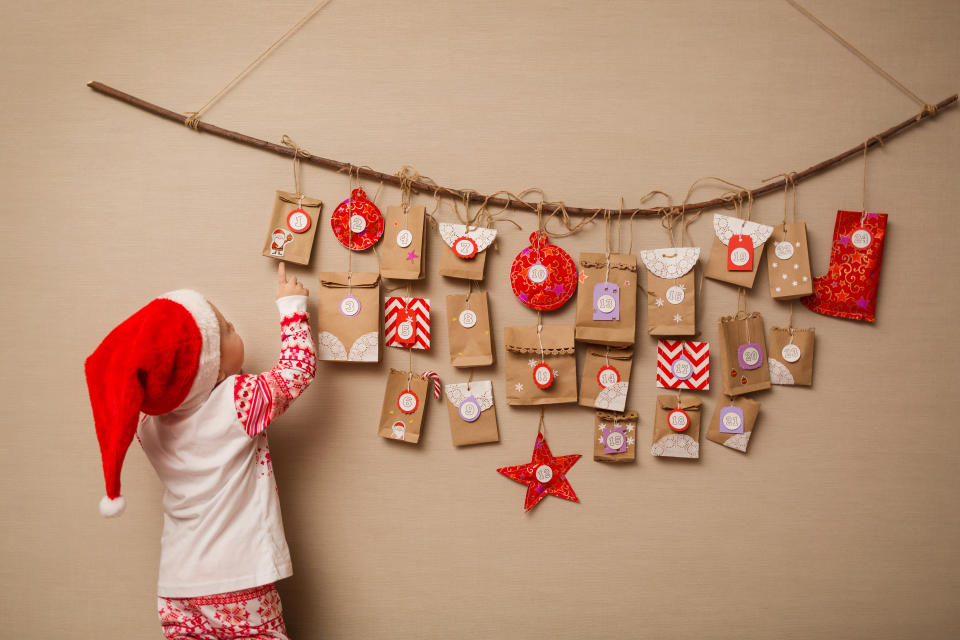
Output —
<point x="543" y="474"/>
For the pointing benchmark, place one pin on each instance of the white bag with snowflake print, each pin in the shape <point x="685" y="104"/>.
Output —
<point x="547" y="352"/>
<point x="671" y="290"/>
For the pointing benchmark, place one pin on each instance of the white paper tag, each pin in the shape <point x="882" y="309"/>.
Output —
<point x="861" y="238"/>
<point x="467" y="319"/>
<point x="675" y="294"/>
<point x="739" y="256"/>
<point x="732" y="421"/>
<point x="408" y="402"/>
<point x="405" y="330"/>
<point x="790" y="353"/>
<point x="606" y="303"/>
<point x="405" y="238"/>
<point x="537" y="273"/>
<point x="357" y="223"/>
<point x="349" y="306"/>
<point x="614" y="440"/>
<point x="678" y="420"/>
<point x="298" y="221"/>
<point x="544" y="474"/>
<point x="784" y="250"/>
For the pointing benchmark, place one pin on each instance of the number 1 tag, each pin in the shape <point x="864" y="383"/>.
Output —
<point x="740" y="253"/>
<point x="606" y="301"/>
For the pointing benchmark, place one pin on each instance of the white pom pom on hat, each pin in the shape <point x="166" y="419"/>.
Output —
<point x="112" y="508"/>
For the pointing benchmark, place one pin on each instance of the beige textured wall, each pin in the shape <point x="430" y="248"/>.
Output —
<point x="843" y="519"/>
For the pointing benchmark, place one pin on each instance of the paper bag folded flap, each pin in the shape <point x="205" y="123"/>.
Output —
<point x="338" y="279"/>
<point x="613" y="354"/>
<point x="669" y="403"/>
<point x="622" y="261"/>
<point x="728" y="226"/>
<point x="786" y="330"/>
<point x="672" y="262"/>
<point x="556" y="340"/>
<point x="739" y="317"/>
<point x="483" y="237"/>
<point x="610" y="416"/>
<point x="305" y="202"/>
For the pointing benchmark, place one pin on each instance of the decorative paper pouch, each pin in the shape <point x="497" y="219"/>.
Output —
<point x="541" y="365"/>
<point x="737" y="249"/>
<point x="671" y="290"/>
<point x="466" y="251"/>
<point x="348" y="317"/>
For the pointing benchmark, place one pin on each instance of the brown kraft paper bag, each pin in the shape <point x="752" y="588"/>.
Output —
<point x="397" y="423"/>
<point x="733" y="422"/>
<point x="473" y="419"/>
<point x="615" y="436"/>
<point x="725" y="228"/>
<point x="671" y="290"/>
<point x="403" y="243"/>
<point x="283" y="241"/>
<point x="348" y="317"/>
<point x="468" y="321"/>
<point x="523" y="356"/>
<point x="616" y="328"/>
<point x="788" y="262"/>
<point x="667" y="441"/>
<point x="743" y="354"/>
<point x="466" y="251"/>
<point x="605" y="379"/>
<point x="791" y="356"/>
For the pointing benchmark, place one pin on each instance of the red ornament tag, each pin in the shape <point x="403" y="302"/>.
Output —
<point x="298" y="221"/>
<point x="543" y="375"/>
<point x="740" y="253"/>
<point x="406" y="332"/>
<point x="543" y="276"/>
<point x="357" y="223"/>
<point x="678" y="420"/>
<point x="407" y="401"/>
<point x="465" y="247"/>
<point x="608" y="376"/>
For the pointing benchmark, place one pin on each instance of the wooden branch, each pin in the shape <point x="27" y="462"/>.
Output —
<point x="504" y="202"/>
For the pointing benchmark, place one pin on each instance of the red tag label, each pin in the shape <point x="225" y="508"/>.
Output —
<point x="406" y="331"/>
<point x="543" y="375"/>
<point x="740" y="253"/>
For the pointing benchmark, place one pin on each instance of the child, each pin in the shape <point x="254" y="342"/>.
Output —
<point x="178" y="361"/>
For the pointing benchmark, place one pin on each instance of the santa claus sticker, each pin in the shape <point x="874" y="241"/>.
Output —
<point x="280" y="239"/>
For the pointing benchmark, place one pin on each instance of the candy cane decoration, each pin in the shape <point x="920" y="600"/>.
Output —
<point x="436" y="382"/>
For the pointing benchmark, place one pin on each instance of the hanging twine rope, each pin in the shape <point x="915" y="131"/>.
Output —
<point x="192" y="119"/>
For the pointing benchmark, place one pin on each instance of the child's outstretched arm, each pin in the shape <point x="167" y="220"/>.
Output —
<point x="260" y="399"/>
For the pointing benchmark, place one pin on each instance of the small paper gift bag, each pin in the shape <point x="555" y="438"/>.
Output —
<point x="403" y="239"/>
<point x="676" y="427"/>
<point x="541" y="365"/>
<point x="469" y="329"/>
<point x="473" y="419"/>
<point x="683" y="364"/>
<point x="733" y="422"/>
<point x="743" y="354"/>
<point x="789" y="262"/>
<point x="404" y="401"/>
<point x="348" y="317"/>
<point x="607" y="299"/>
<point x="737" y="249"/>
<point x="671" y="290"/>
<point x="791" y="355"/>
<point x="406" y="322"/>
<point x="615" y="436"/>
<point x="606" y="377"/>
<point x="466" y="251"/>
<point x="293" y="225"/>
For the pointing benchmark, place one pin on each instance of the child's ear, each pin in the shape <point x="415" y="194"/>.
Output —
<point x="221" y="376"/>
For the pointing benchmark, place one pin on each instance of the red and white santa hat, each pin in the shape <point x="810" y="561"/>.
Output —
<point x="163" y="358"/>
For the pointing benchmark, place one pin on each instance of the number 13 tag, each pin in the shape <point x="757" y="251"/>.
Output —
<point x="740" y="253"/>
<point x="606" y="301"/>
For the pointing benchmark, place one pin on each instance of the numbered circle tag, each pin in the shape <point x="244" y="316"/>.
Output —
<point x="350" y="306"/>
<point x="682" y="368"/>
<point x="544" y="474"/>
<point x="405" y="331"/>
<point x="861" y="238"/>
<point x="398" y="430"/>
<point x="408" y="401"/>
<point x="543" y="375"/>
<point x="537" y="273"/>
<point x="404" y="238"/>
<point x="298" y="221"/>
<point x="467" y="319"/>
<point x="790" y="353"/>
<point x="608" y="376"/>
<point x="470" y="409"/>
<point x="678" y="420"/>
<point x="606" y="301"/>
<point x="465" y="247"/>
<point x="675" y="294"/>
<point x="731" y="420"/>
<point x="615" y="440"/>
<point x="357" y="223"/>
<point x="784" y="250"/>
<point x="750" y="355"/>
<point x="740" y="253"/>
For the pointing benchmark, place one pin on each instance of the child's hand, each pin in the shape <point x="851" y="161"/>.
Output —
<point x="291" y="287"/>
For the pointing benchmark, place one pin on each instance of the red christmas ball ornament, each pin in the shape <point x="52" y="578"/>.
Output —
<point x="357" y="223"/>
<point x="543" y="276"/>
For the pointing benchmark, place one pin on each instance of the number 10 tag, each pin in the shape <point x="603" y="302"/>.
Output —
<point x="740" y="253"/>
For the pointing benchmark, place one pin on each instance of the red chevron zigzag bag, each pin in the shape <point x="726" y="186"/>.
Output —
<point x="683" y="364"/>
<point x="406" y="322"/>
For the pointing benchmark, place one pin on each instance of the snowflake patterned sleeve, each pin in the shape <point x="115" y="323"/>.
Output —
<point x="260" y="399"/>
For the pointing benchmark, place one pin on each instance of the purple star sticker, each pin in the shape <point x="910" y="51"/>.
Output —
<point x="844" y="240"/>
<point x="558" y="290"/>
<point x="412" y="256"/>
<point x="862" y="303"/>
<point x="524" y="297"/>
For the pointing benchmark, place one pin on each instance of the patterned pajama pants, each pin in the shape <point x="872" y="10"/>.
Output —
<point x="254" y="614"/>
